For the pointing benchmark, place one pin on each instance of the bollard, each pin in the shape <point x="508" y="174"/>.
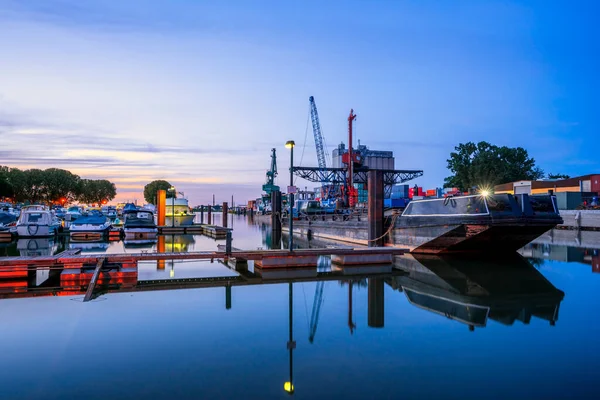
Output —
<point x="209" y="217"/>
<point x="202" y="214"/>
<point x="224" y="213"/>
<point x="228" y="243"/>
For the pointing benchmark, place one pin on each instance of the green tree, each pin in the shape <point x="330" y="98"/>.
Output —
<point x="154" y="186"/>
<point x="558" y="176"/>
<point x="486" y="165"/>
<point x="6" y="189"/>
<point x="60" y="184"/>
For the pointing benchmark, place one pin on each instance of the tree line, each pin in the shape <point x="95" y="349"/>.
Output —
<point x="53" y="185"/>
<point x="484" y="165"/>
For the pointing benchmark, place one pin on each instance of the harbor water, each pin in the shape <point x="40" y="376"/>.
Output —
<point x="521" y="328"/>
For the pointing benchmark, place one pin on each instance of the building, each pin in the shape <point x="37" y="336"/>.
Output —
<point x="570" y="193"/>
<point x="582" y="184"/>
<point x="374" y="159"/>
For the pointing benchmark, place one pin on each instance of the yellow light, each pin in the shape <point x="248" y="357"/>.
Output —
<point x="290" y="144"/>
<point x="172" y="188"/>
<point x="485" y="193"/>
<point x="171" y="273"/>
<point x="288" y="387"/>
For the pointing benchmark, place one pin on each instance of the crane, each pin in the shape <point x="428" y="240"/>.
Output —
<point x="316" y="125"/>
<point x="270" y="186"/>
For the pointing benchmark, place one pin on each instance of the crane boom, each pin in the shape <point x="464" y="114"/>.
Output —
<point x="316" y="125"/>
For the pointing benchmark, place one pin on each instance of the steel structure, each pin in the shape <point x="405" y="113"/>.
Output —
<point x="270" y="186"/>
<point x="316" y="125"/>
<point x="316" y="310"/>
<point x="338" y="175"/>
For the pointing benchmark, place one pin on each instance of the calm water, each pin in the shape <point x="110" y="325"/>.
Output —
<point x="439" y="328"/>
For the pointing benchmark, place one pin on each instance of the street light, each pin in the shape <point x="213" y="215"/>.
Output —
<point x="290" y="145"/>
<point x="172" y="190"/>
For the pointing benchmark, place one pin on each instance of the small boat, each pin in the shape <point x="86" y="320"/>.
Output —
<point x="497" y="223"/>
<point x="139" y="224"/>
<point x="93" y="226"/>
<point x="36" y="221"/>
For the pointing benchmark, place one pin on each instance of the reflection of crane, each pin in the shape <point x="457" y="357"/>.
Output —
<point x="270" y="186"/>
<point x="314" y="317"/>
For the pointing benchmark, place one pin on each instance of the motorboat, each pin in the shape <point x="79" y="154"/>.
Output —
<point x="497" y="223"/>
<point x="139" y="224"/>
<point x="73" y="213"/>
<point x="93" y="226"/>
<point x="36" y="221"/>
<point x="7" y="221"/>
<point x="180" y="210"/>
<point x="36" y="247"/>
<point x="110" y="211"/>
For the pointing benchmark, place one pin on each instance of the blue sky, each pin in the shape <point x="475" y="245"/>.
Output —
<point x="199" y="92"/>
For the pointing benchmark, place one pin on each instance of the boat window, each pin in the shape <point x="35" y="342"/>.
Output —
<point x="541" y="204"/>
<point x="471" y="205"/>
<point x="499" y="203"/>
<point x="34" y="217"/>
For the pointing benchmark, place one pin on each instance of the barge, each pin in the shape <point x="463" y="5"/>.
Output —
<point x="483" y="224"/>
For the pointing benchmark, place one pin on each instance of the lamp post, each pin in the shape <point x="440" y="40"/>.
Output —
<point x="291" y="344"/>
<point x="172" y="190"/>
<point x="290" y="145"/>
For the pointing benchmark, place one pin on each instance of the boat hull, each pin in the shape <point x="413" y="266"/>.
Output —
<point x="469" y="237"/>
<point x="140" y="233"/>
<point x="33" y="230"/>
<point x="180" y="220"/>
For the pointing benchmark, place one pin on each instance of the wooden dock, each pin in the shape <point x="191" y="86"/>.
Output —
<point x="256" y="255"/>
<point x="213" y="231"/>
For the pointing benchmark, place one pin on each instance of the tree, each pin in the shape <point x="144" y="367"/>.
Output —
<point x="60" y="185"/>
<point x="154" y="186"/>
<point x="96" y="191"/>
<point x="558" y="176"/>
<point x="486" y="165"/>
<point x="6" y="189"/>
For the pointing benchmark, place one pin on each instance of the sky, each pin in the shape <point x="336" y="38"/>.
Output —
<point x="198" y="93"/>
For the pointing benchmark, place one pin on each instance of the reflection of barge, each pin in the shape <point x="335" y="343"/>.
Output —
<point x="495" y="223"/>
<point x="473" y="291"/>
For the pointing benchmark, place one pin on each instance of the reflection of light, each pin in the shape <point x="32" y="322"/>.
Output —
<point x="288" y="387"/>
<point x="172" y="272"/>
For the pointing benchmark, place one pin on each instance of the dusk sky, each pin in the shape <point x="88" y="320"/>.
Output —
<point x="197" y="93"/>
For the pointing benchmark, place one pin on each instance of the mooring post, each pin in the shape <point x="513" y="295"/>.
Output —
<point x="375" y="205"/>
<point x="228" y="242"/>
<point x="224" y="212"/>
<point x="90" y="290"/>
<point x="375" y="306"/>
<point x="209" y="217"/>
<point x="202" y="214"/>
<point x="276" y="210"/>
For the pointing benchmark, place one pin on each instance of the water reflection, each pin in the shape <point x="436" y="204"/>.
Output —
<point x="471" y="291"/>
<point x="38" y="247"/>
<point x="90" y="247"/>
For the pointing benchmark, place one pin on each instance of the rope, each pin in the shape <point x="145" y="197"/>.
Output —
<point x="392" y="224"/>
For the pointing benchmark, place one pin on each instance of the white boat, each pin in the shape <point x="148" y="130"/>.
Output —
<point x="181" y="209"/>
<point x="110" y="211"/>
<point x="139" y="225"/>
<point x="36" y="221"/>
<point x="93" y="226"/>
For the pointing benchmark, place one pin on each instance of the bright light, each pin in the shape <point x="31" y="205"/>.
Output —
<point x="288" y="387"/>
<point x="172" y="188"/>
<point x="485" y="193"/>
<point x="290" y="144"/>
